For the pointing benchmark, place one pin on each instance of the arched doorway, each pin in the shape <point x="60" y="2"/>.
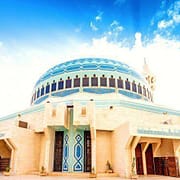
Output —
<point x="139" y="161"/>
<point x="149" y="160"/>
<point x="5" y="155"/>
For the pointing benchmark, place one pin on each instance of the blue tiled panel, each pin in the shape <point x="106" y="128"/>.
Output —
<point x="65" y="92"/>
<point x="98" y="90"/>
<point x="130" y="94"/>
<point x="89" y="67"/>
<point x="107" y="67"/>
<point x="58" y="71"/>
<point x="78" y="154"/>
<point x="73" y="68"/>
<point x="41" y="99"/>
<point x="123" y="70"/>
<point x="66" y="153"/>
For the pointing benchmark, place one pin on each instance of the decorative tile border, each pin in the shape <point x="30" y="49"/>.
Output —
<point x="66" y="153"/>
<point x="78" y="154"/>
<point x="98" y="90"/>
<point x="65" y="93"/>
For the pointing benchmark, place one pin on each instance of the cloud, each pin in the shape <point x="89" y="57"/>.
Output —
<point x="119" y="28"/>
<point x="161" y="54"/>
<point x="114" y="31"/>
<point x="174" y="12"/>
<point x="114" y="23"/>
<point x="173" y="15"/>
<point x="94" y="23"/>
<point x="164" y="24"/>
<point x="21" y="68"/>
<point x="93" y="27"/>
<point x="138" y="41"/>
<point x="99" y="16"/>
<point x="116" y="27"/>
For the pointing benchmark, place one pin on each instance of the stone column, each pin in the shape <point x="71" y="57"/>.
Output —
<point x="144" y="148"/>
<point x="47" y="114"/>
<point x="12" y="159"/>
<point x="93" y="150"/>
<point x="92" y="122"/>
<point x="133" y="147"/>
<point x="176" y="145"/>
<point x="49" y="149"/>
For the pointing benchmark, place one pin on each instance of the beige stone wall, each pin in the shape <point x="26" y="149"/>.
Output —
<point x="111" y="118"/>
<point x="103" y="150"/>
<point x="107" y="118"/>
<point x="35" y="120"/>
<point x="120" y="152"/>
<point x="27" y="152"/>
<point x="166" y="148"/>
<point x="47" y="149"/>
<point x="42" y="150"/>
<point x="7" y="124"/>
<point x="5" y="152"/>
<point x="34" y="150"/>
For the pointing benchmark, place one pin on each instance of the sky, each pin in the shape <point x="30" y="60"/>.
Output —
<point x="38" y="34"/>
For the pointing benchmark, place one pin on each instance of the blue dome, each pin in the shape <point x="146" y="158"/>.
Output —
<point x="91" y="75"/>
<point x="89" y="64"/>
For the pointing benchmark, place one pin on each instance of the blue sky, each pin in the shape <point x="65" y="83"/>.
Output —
<point x="38" y="34"/>
<point x="32" y="21"/>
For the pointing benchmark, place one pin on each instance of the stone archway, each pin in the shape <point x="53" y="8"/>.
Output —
<point x="149" y="160"/>
<point x="7" y="151"/>
<point x="5" y="155"/>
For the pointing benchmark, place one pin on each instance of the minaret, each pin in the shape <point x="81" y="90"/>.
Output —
<point x="151" y="79"/>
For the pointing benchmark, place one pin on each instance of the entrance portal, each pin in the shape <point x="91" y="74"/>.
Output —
<point x="139" y="162"/>
<point x="5" y="155"/>
<point x="58" y="150"/>
<point x="149" y="160"/>
<point x="87" y="151"/>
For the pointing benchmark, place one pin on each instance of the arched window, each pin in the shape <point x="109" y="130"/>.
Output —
<point x="34" y="95"/>
<point x="32" y="100"/>
<point x="60" y="84"/>
<point x="148" y="93"/>
<point x="38" y="93"/>
<point x="151" y="97"/>
<point x="144" y="91"/>
<point x="111" y="81"/>
<point x="103" y="81"/>
<point x="134" y="88"/>
<point x="85" y="81"/>
<point x="120" y="83"/>
<point x="127" y="84"/>
<point x="77" y="81"/>
<point x="94" y="81"/>
<point x="47" y="88"/>
<point x="68" y="82"/>
<point x="42" y="90"/>
<point x="53" y="86"/>
<point x="139" y="89"/>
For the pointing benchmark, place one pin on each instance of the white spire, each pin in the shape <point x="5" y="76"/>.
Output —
<point x="146" y="69"/>
<point x="148" y="75"/>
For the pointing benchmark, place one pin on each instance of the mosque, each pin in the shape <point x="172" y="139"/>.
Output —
<point x="92" y="115"/>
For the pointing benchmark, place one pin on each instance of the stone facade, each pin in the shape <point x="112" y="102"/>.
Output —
<point x="92" y="132"/>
